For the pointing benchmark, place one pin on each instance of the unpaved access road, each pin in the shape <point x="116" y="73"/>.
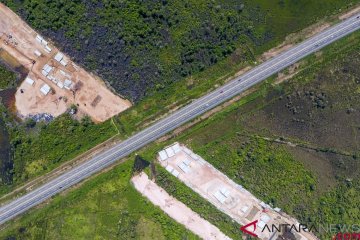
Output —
<point x="176" y="209"/>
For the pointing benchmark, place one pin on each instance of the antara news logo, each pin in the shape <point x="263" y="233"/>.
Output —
<point x="338" y="231"/>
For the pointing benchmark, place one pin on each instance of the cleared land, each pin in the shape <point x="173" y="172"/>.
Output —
<point x="223" y="193"/>
<point x="85" y="90"/>
<point x="175" y="209"/>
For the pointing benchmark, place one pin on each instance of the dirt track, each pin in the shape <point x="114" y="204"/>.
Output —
<point x="175" y="209"/>
<point x="88" y="92"/>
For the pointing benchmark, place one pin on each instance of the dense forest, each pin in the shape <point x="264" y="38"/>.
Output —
<point x="7" y="78"/>
<point x="142" y="46"/>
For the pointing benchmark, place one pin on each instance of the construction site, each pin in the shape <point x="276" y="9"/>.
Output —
<point x="54" y="82"/>
<point x="229" y="197"/>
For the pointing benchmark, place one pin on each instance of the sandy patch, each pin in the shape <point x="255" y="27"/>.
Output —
<point x="350" y="13"/>
<point x="175" y="209"/>
<point x="86" y="91"/>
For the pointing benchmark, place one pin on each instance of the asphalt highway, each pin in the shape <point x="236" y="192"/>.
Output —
<point x="176" y="119"/>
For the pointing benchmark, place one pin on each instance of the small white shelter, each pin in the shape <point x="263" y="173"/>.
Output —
<point x="45" y="89"/>
<point x="176" y="147"/>
<point x="60" y="84"/>
<point x="68" y="84"/>
<point x="37" y="53"/>
<point x="63" y="62"/>
<point x="48" y="49"/>
<point x="163" y="156"/>
<point x="29" y="81"/>
<point x="59" y="56"/>
<point x="170" y="152"/>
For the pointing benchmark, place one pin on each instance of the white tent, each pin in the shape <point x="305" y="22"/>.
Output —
<point x="170" y="152"/>
<point x="163" y="156"/>
<point x="29" y="81"/>
<point x="68" y="84"/>
<point x="176" y="147"/>
<point x="45" y="89"/>
<point x="59" y="56"/>
<point x="37" y="53"/>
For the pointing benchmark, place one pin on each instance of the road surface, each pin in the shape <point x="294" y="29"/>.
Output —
<point x="174" y="120"/>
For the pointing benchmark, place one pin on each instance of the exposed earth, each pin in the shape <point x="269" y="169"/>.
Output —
<point x="87" y="92"/>
<point x="176" y="209"/>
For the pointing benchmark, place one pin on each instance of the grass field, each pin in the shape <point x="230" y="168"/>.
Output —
<point x="106" y="207"/>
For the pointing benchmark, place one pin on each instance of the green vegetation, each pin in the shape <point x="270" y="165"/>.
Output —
<point x="60" y="140"/>
<point x="106" y="207"/>
<point x="315" y="186"/>
<point x="261" y="167"/>
<point x="40" y="147"/>
<point x="37" y="148"/>
<point x="7" y="78"/>
<point x="198" y="204"/>
<point x="144" y="50"/>
<point x="142" y="47"/>
<point x="167" y="96"/>
<point x="255" y="143"/>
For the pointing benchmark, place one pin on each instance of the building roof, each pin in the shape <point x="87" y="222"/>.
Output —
<point x="187" y="162"/>
<point x="175" y="173"/>
<point x="176" y="147"/>
<point x="244" y="209"/>
<point x="184" y="168"/>
<point x="39" y="38"/>
<point x="59" y="56"/>
<point x="45" y="89"/>
<point x="225" y="191"/>
<point x="63" y="62"/>
<point x="45" y="73"/>
<point x="37" y="53"/>
<point x="170" y="152"/>
<point x="261" y="224"/>
<point x="60" y="84"/>
<point x="169" y="168"/>
<point x="67" y="83"/>
<point x="47" y="68"/>
<point x="194" y="156"/>
<point x="219" y="197"/>
<point x="186" y="150"/>
<point x="29" y="81"/>
<point x="163" y="156"/>
<point x="48" y="49"/>
<point x="265" y="218"/>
